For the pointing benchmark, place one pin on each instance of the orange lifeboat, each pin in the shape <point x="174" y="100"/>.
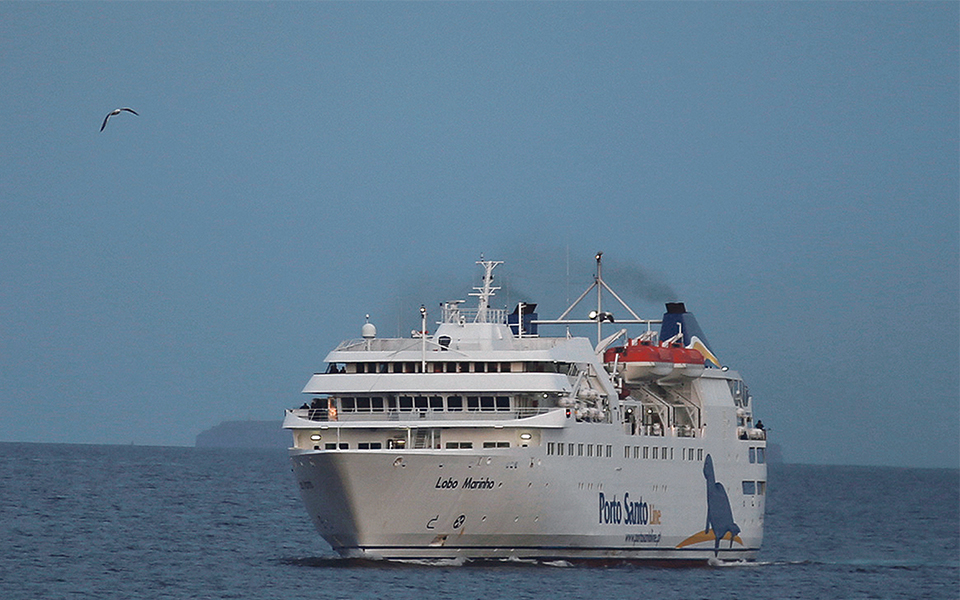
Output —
<point x="643" y="360"/>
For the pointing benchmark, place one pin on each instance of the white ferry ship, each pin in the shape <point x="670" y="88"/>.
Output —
<point x="488" y="440"/>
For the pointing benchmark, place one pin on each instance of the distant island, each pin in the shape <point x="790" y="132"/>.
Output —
<point x="245" y="434"/>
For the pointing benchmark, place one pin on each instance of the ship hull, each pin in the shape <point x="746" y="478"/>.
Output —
<point x="516" y="504"/>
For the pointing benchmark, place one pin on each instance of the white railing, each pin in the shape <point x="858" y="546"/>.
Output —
<point x="453" y="313"/>
<point x="326" y="415"/>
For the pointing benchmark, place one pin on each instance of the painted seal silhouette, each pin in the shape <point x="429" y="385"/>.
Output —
<point x="719" y="514"/>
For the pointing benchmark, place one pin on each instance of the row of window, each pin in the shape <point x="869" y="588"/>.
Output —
<point x="379" y="446"/>
<point x="754" y="488"/>
<point x="451" y="367"/>
<point x="571" y="449"/>
<point x="423" y="403"/>
<point x="638" y="452"/>
<point x="661" y="453"/>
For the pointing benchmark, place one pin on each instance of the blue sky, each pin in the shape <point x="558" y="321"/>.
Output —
<point x="789" y="170"/>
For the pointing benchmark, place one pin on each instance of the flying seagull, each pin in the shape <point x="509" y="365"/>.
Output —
<point x="116" y="111"/>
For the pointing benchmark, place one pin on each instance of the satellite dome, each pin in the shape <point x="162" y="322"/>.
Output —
<point x="369" y="330"/>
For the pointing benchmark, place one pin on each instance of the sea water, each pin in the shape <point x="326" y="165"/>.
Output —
<point x="126" y="522"/>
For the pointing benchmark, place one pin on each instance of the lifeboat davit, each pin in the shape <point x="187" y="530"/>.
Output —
<point x="644" y="360"/>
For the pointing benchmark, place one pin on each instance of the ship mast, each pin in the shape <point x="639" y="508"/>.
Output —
<point x="598" y="315"/>
<point x="487" y="290"/>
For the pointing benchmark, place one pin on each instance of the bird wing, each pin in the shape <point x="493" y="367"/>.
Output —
<point x="105" y="119"/>
<point x="130" y="110"/>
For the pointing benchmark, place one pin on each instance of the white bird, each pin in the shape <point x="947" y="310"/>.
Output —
<point x="116" y="111"/>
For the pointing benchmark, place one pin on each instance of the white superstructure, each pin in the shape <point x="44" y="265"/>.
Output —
<point x="488" y="440"/>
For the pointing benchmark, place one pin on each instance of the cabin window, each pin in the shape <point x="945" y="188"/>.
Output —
<point x="406" y="403"/>
<point x="455" y="403"/>
<point x="609" y="450"/>
<point x="655" y="452"/>
<point x="699" y="453"/>
<point x="486" y="403"/>
<point x="549" y="448"/>
<point x="570" y="449"/>
<point x="348" y="404"/>
<point x="473" y="403"/>
<point x="761" y="488"/>
<point x="436" y="402"/>
<point x="749" y="488"/>
<point x="761" y="458"/>
<point x="459" y="445"/>
<point x="663" y="453"/>
<point x="646" y="452"/>
<point x="363" y="404"/>
<point x="330" y="446"/>
<point x="579" y="449"/>
<point x="503" y="403"/>
<point x="479" y="367"/>
<point x="420" y="402"/>
<point x="560" y="449"/>
<point x="496" y="444"/>
<point x="753" y="455"/>
<point x="376" y="404"/>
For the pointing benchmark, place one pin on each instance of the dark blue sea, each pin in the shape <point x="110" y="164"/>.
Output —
<point x="125" y="522"/>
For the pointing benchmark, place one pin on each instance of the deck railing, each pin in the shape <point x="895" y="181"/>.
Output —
<point x="324" y="414"/>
